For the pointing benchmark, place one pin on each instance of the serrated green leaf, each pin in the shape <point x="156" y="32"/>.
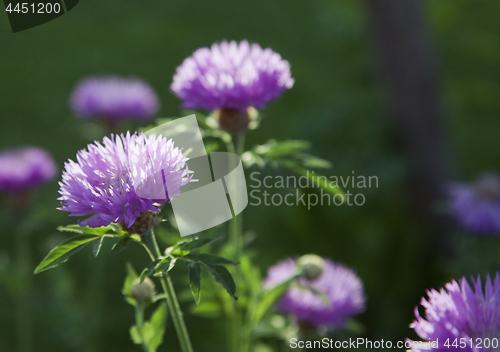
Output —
<point x="223" y="277"/>
<point x="158" y="322"/>
<point x="61" y="253"/>
<point x="209" y="259"/>
<point x="97" y="246"/>
<point x="195" y="280"/>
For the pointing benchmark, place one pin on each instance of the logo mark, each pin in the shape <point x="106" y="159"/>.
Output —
<point x="28" y="14"/>
<point x="204" y="204"/>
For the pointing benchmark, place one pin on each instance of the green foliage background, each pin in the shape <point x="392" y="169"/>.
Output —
<point x="337" y="103"/>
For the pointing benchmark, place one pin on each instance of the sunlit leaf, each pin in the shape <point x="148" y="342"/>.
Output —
<point x="61" y="253"/>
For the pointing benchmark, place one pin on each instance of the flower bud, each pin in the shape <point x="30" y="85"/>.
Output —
<point x="143" y="292"/>
<point x="234" y="121"/>
<point x="142" y="224"/>
<point x="310" y="266"/>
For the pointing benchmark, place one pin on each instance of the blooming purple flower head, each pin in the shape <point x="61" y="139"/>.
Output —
<point x="231" y="76"/>
<point x="460" y="312"/>
<point x="25" y="168"/>
<point x="339" y="284"/>
<point x="476" y="206"/>
<point x="114" y="98"/>
<point x="123" y="177"/>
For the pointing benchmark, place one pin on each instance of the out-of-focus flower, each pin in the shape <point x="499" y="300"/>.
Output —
<point x="25" y="168"/>
<point x="339" y="284"/>
<point x="114" y="99"/>
<point x="476" y="206"/>
<point x="123" y="179"/>
<point x="460" y="316"/>
<point x="230" y="78"/>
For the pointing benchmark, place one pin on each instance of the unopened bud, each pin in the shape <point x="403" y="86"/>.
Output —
<point x="234" y="121"/>
<point x="142" y="224"/>
<point x="310" y="266"/>
<point x="143" y="292"/>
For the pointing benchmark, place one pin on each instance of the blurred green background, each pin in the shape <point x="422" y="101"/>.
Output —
<point x="337" y="103"/>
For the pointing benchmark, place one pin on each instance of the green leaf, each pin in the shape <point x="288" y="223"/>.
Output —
<point x="142" y="335"/>
<point x="271" y="296"/>
<point x="144" y="274"/>
<point x="209" y="259"/>
<point x="61" y="253"/>
<point x="158" y="322"/>
<point x="195" y="280"/>
<point x="165" y="264"/>
<point x="223" y="277"/>
<point x="75" y="228"/>
<point x="207" y="309"/>
<point x="317" y="180"/>
<point x="127" y="284"/>
<point x="123" y="242"/>
<point x="97" y="246"/>
<point x="188" y="246"/>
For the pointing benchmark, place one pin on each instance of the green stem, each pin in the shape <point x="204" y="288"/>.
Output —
<point x="236" y="145"/>
<point x="172" y="302"/>
<point x="139" y="322"/>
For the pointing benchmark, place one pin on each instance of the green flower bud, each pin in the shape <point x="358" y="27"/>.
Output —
<point x="310" y="266"/>
<point x="143" y="292"/>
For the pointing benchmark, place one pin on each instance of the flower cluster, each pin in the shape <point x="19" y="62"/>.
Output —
<point x="123" y="177"/>
<point x="25" y="168"/>
<point x="339" y="284"/>
<point x="231" y="76"/>
<point x="461" y="312"/>
<point x="114" y="98"/>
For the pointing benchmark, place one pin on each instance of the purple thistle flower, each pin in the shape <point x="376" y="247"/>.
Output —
<point x="122" y="178"/>
<point x="114" y="98"/>
<point x="476" y="206"/>
<point x="231" y="76"/>
<point x="25" y="168"/>
<point x="459" y="312"/>
<point x="338" y="283"/>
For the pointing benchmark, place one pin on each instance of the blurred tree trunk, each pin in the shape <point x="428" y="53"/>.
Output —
<point x="413" y="96"/>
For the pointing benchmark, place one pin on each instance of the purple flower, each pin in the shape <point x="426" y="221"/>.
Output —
<point x="25" y="168"/>
<point x="231" y="76"/>
<point x="338" y="283"/>
<point x="121" y="178"/>
<point x="114" y="98"/>
<point x="476" y="206"/>
<point x="460" y="313"/>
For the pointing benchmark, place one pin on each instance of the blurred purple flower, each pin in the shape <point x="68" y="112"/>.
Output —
<point x="459" y="312"/>
<point x="122" y="178"/>
<point x="231" y="76"/>
<point x="114" y="98"/>
<point x="25" y="168"/>
<point x="338" y="283"/>
<point x="476" y="206"/>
